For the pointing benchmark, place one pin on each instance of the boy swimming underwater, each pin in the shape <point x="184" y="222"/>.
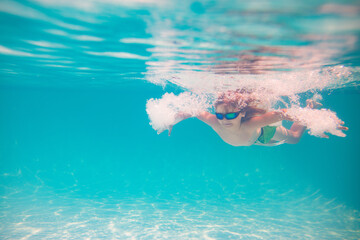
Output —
<point x="239" y="123"/>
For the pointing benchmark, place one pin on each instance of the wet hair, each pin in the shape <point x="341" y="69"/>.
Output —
<point x="241" y="99"/>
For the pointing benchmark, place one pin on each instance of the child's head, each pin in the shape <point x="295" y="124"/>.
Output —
<point x="234" y="100"/>
<point x="240" y="103"/>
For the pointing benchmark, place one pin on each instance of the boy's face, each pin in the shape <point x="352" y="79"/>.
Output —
<point x="225" y="108"/>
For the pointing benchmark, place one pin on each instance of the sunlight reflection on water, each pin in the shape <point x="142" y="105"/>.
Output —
<point x="285" y="215"/>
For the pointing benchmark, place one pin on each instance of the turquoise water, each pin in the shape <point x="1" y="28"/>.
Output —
<point x="79" y="159"/>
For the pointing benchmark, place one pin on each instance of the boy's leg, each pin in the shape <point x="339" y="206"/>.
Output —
<point x="297" y="131"/>
<point x="291" y="136"/>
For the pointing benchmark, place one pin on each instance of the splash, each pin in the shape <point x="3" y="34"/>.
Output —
<point x="272" y="92"/>
<point x="318" y="121"/>
<point x="284" y="83"/>
<point x="162" y="112"/>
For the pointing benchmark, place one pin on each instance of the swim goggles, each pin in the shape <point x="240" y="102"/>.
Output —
<point x="228" y="116"/>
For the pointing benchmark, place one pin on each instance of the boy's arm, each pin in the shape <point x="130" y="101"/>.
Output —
<point x="180" y="116"/>
<point x="206" y="117"/>
<point x="267" y="119"/>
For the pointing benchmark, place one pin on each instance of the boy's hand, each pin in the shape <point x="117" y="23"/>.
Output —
<point x="312" y="104"/>
<point x="170" y="129"/>
<point x="340" y="127"/>
<point x="324" y="136"/>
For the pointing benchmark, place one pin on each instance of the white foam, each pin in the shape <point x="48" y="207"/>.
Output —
<point x="318" y="121"/>
<point x="280" y="83"/>
<point x="162" y="112"/>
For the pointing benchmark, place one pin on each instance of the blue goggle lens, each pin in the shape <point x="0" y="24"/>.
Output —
<point x="219" y="116"/>
<point x="228" y="116"/>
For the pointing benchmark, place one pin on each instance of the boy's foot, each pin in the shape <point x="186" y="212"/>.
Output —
<point x="312" y="104"/>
